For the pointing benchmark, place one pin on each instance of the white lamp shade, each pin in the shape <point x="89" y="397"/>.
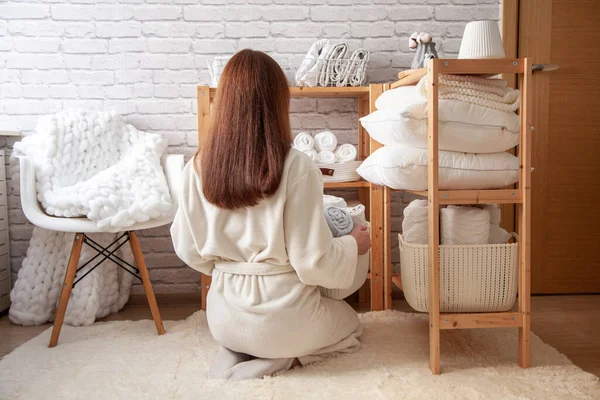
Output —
<point x="481" y="40"/>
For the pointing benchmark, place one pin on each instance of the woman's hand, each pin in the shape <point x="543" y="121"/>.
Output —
<point x="363" y="239"/>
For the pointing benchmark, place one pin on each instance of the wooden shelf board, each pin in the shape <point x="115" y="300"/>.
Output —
<point x="481" y="67"/>
<point x="329" y="91"/>
<point x="481" y="320"/>
<point x="295" y="91"/>
<point x="356" y="184"/>
<point x="493" y="196"/>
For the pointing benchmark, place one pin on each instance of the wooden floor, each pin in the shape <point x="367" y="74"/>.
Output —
<point x="568" y="323"/>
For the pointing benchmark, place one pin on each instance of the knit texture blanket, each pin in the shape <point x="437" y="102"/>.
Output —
<point x="92" y="164"/>
<point x="491" y="93"/>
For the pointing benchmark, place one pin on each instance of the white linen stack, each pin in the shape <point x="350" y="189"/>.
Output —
<point x="327" y="64"/>
<point x="459" y="225"/>
<point x="477" y="125"/>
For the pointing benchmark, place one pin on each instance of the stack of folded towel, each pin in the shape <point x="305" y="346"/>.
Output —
<point x="341" y="219"/>
<point x="323" y="148"/>
<point x="328" y="64"/>
<point x="465" y="225"/>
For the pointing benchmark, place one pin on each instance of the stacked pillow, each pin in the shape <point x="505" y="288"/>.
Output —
<point x="472" y="140"/>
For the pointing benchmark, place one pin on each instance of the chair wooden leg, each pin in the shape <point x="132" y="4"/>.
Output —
<point x="59" y="317"/>
<point x="141" y="264"/>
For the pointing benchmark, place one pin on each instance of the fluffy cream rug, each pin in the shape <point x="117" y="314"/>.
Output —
<point x="127" y="360"/>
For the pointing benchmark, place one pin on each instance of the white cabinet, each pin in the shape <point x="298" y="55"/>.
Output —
<point x="4" y="240"/>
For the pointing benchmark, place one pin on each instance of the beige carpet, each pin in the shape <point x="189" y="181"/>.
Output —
<point x="127" y="360"/>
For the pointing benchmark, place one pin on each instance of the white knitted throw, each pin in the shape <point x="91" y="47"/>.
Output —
<point x="491" y="93"/>
<point x="88" y="163"/>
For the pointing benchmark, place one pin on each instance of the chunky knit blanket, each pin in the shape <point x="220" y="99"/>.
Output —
<point x="491" y="93"/>
<point x="88" y="164"/>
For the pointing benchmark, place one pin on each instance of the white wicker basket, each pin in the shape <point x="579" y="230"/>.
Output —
<point x="473" y="278"/>
<point x="341" y="172"/>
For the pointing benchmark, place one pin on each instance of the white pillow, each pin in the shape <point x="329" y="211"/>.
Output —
<point x="403" y="94"/>
<point x="405" y="168"/>
<point x="462" y="126"/>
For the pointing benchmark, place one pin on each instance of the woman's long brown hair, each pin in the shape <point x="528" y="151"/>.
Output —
<point x="241" y="162"/>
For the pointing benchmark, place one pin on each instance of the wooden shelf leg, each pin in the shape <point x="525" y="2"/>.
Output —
<point x="433" y="218"/>
<point x="376" y="248"/>
<point x="134" y="242"/>
<point x="59" y="316"/>
<point x="525" y="219"/>
<point x="387" y="248"/>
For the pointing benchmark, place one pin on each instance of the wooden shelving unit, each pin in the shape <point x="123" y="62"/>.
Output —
<point x="520" y="196"/>
<point x="368" y="194"/>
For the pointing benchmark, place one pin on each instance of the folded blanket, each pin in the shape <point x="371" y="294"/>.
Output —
<point x="325" y="141"/>
<point x="491" y="93"/>
<point x="415" y="226"/>
<point x="325" y="157"/>
<point x="338" y="220"/>
<point x="303" y="141"/>
<point x="334" y="201"/>
<point x="333" y="69"/>
<point x="498" y="235"/>
<point x="345" y="153"/>
<point x="93" y="164"/>
<point x="308" y="72"/>
<point x="464" y="225"/>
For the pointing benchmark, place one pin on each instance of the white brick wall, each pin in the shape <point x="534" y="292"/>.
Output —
<point x="145" y="58"/>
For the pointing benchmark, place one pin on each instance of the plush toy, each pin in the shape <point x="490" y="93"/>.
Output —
<point x="425" y="46"/>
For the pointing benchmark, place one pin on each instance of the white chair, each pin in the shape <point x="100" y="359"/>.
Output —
<point x="172" y="166"/>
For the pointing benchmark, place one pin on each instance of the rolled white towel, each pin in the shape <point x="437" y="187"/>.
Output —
<point x="498" y="235"/>
<point x="345" y="153"/>
<point x="325" y="157"/>
<point x="325" y="141"/>
<point x="339" y="221"/>
<point x="415" y="224"/>
<point x="303" y="141"/>
<point x="357" y="213"/>
<point x="312" y="153"/>
<point x="464" y="225"/>
<point x="335" y="201"/>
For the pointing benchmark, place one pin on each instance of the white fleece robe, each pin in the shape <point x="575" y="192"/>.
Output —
<point x="266" y="262"/>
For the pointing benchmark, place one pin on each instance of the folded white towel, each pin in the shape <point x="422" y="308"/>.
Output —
<point x="334" y="201"/>
<point x="345" y="153"/>
<point x="464" y="225"/>
<point x="303" y="141"/>
<point x="415" y="224"/>
<point x="356" y="69"/>
<point x="357" y="213"/>
<point x="325" y="141"/>
<point x="312" y="153"/>
<point x="308" y="72"/>
<point x="498" y="235"/>
<point x="325" y="157"/>
<point x="333" y="68"/>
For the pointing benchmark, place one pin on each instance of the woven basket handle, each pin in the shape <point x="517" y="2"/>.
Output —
<point x="514" y="234"/>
